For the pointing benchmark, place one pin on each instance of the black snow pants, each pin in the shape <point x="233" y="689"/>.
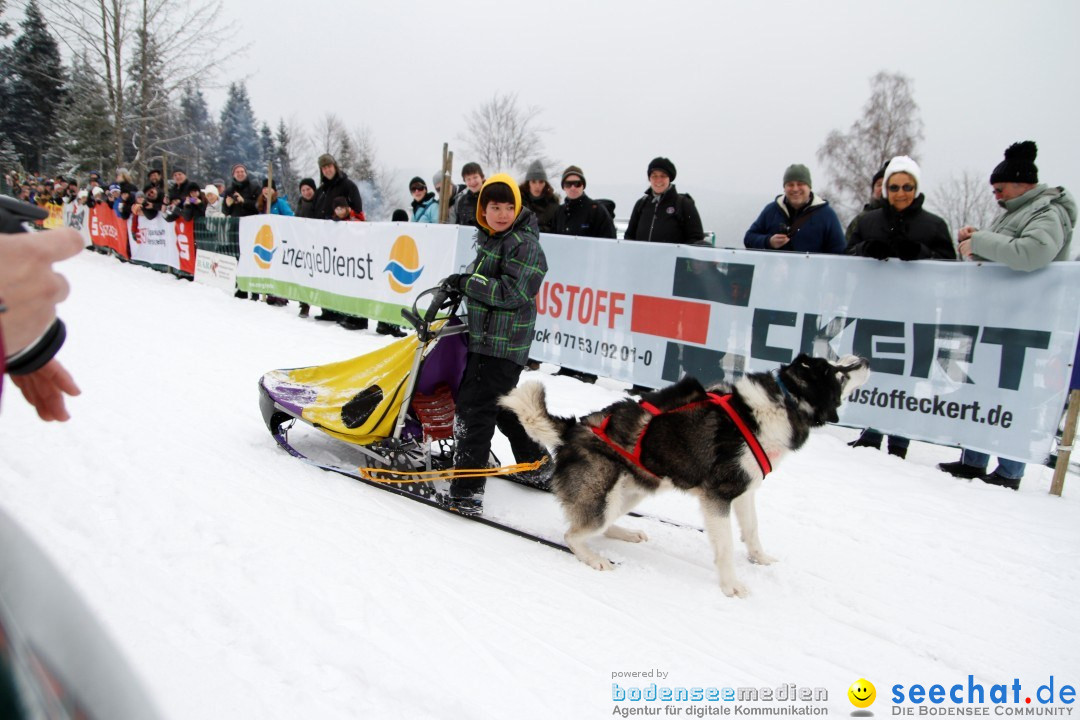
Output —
<point x="486" y="379"/>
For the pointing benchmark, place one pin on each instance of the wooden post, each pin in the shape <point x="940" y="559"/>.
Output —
<point x="446" y="183"/>
<point x="1065" y="448"/>
<point x="269" y="184"/>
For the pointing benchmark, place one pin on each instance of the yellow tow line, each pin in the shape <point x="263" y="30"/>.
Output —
<point x="384" y="475"/>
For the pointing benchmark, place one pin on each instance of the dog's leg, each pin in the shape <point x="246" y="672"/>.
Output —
<point x="718" y="525"/>
<point x="620" y="500"/>
<point x="628" y="500"/>
<point x="746" y="513"/>
<point x="575" y="540"/>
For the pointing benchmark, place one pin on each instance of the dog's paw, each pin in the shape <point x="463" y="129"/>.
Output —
<point x="620" y="533"/>
<point x="735" y="589"/>
<point x="598" y="563"/>
<point x="762" y="558"/>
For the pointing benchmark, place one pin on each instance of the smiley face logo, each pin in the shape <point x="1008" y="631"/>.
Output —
<point x="862" y="693"/>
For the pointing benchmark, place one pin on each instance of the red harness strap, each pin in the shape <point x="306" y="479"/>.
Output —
<point x="723" y="401"/>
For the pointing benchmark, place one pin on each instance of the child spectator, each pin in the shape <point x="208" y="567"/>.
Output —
<point x="425" y="206"/>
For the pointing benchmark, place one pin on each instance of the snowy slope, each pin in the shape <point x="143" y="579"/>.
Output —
<point x="245" y="584"/>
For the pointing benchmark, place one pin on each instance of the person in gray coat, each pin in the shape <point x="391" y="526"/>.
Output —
<point x="1034" y="231"/>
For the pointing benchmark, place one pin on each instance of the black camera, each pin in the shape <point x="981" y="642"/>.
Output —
<point x="784" y="229"/>
<point x="13" y="216"/>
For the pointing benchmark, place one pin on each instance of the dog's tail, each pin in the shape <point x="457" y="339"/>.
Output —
<point x="529" y="403"/>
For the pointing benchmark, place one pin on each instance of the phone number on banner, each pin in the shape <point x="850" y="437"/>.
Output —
<point x="589" y="346"/>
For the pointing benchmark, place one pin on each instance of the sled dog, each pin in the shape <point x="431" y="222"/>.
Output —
<point x="684" y="437"/>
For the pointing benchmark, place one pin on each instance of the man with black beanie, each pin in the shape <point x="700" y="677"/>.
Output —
<point x="1035" y="230"/>
<point x="664" y="215"/>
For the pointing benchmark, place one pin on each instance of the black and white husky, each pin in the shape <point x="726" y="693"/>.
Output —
<point x="683" y="436"/>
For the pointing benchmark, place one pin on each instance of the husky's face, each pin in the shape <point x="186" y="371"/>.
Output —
<point x="821" y="386"/>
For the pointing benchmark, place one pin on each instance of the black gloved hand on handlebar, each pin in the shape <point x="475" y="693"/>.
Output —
<point x="456" y="282"/>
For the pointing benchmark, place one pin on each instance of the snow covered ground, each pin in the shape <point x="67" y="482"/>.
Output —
<point x="243" y="583"/>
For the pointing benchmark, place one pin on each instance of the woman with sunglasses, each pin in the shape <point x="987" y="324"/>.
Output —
<point x="899" y="229"/>
<point x="902" y="228"/>
<point x="425" y="208"/>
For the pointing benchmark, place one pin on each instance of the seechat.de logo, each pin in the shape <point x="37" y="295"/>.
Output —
<point x="404" y="267"/>
<point x="264" y="247"/>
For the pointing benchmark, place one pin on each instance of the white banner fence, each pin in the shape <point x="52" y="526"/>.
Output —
<point x="965" y="354"/>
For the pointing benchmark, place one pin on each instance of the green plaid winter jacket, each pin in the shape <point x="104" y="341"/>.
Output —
<point x="500" y="295"/>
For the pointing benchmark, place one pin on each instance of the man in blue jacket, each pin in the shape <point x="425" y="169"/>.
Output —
<point x="798" y="220"/>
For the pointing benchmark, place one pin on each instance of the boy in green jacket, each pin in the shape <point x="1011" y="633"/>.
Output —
<point x="500" y="297"/>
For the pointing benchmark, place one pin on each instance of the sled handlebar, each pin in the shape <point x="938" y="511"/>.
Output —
<point x="443" y="299"/>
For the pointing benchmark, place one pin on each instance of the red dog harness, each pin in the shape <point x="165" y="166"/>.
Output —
<point x="723" y="401"/>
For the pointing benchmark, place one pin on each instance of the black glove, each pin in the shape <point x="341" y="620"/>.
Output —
<point x="456" y="282"/>
<point x="908" y="250"/>
<point x="879" y="249"/>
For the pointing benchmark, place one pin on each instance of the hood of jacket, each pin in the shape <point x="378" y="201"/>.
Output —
<point x="816" y="201"/>
<point x="505" y="180"/>
<point x="1057" y="196"/>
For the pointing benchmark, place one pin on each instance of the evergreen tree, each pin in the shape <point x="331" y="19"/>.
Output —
<point x="239" y="141"/>
<point x="267" y="147"/>
<point x="147" y="125"/>
<point x="36" y="91"/>
<point x="198" y="134"/>
<point x="9" y="159"/>
<point x="85" y="132"/>
<point x="5" y="27"/>
<point x="288" y="182"/>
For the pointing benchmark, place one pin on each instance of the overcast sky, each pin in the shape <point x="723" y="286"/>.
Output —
<point x="731" y="92"/>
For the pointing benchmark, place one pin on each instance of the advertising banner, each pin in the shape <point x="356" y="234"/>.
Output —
<point x="215" y="269"/>
<point x="109" y="231"/>
<point x="55" y="219"/>
<point x="372" y="270"/>
<point x="185" y="245"/>
<point x="77" y="217"/>
<point x="960" y="352"/>
<point x="153" y="242"/>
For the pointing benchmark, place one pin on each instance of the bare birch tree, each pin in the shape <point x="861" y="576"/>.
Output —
<point x="503" y="136"/>
<point x="112" y="33"/>
<point x="889" y="126"/>
<point x="965" y="200"/>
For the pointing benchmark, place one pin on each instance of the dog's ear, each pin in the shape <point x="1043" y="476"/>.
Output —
<point x="802" y="359"/>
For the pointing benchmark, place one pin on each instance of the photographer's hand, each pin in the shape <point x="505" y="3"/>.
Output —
<point x="778" y="240"/>
<point x="45" y="390"/>
<point x="29" y="287"/>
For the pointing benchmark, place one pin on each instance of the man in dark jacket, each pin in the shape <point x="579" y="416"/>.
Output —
<point x="181" y="187"/>
<point x="334" y="183"/>
<point x="664" y="215"/>
<point x="876" y="201"/>
<point x="579" y="214"/>
<point x="242" y="195"/>
<point x="153" y="178"/>
<point x="798" y="220"/>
